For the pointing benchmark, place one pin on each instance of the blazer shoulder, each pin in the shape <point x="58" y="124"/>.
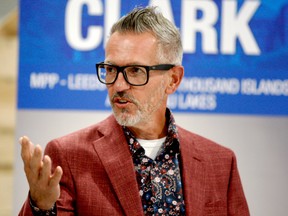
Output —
<point x="88" y="134"/>
<point x="202" y="145"/>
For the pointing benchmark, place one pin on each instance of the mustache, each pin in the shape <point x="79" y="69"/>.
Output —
<point x="124" y="95"/>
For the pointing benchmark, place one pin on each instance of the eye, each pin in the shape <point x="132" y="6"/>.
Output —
<point x="135" y="71"/>
<point x="110" y="69"/>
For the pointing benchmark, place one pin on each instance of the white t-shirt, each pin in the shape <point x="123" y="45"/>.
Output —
<point x="151" y="146"/>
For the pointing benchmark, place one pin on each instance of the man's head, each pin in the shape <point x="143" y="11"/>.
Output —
<point x="149" y="19"/>
<point x="139" y="40"/>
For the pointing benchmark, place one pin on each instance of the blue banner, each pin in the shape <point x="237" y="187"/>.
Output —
<point x="235" y="54"/>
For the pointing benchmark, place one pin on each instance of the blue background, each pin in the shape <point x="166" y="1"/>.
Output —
<point x="43" y="48"/>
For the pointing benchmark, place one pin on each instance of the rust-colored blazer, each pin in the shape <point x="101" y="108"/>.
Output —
<point x="99" y="176"/>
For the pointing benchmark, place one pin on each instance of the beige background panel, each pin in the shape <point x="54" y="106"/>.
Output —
<point x="8" y="77"/>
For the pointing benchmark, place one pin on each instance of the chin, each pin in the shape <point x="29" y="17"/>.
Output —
<point x="127" y="119"/>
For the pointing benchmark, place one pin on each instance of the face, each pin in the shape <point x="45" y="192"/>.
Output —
<point x="136" y="105"/>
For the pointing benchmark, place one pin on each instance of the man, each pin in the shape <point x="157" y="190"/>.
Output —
<point x="137" y="161"/>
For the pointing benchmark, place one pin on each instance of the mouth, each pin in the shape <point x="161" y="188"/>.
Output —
<point x="121" y="102"/>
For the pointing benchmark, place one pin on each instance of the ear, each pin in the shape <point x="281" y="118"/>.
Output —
<point x="176" y="75"/>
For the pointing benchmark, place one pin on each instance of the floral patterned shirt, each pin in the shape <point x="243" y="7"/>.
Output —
<point x="159" y="180"/>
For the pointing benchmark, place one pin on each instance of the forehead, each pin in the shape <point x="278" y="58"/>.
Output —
<point x="127" y="48"/>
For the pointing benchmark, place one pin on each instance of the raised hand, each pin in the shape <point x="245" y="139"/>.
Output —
<point x="44" y="185"/>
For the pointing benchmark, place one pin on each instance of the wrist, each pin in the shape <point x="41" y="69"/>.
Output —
<point x="38" y="210"/>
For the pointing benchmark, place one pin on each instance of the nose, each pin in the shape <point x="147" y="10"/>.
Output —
<point x="120" y="83"/>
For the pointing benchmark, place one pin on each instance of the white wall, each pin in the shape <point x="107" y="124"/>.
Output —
<point x="260" y="144"/>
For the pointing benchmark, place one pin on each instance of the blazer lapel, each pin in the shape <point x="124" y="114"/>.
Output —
<point x="193" y="175"/>
<point x="114" y="153"/>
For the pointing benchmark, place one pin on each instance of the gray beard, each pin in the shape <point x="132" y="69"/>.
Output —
<point x="128" y="120"/>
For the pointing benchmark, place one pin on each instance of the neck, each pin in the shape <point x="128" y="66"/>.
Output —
<point x="154" y="129"/>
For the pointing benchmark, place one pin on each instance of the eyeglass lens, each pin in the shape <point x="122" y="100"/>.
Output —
<point x="136" y="75"/>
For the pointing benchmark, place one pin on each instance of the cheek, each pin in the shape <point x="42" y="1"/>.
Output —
<point x="110" y="92"/>
<point x="156" y="92"/>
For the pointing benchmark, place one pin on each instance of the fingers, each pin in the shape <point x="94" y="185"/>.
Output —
<point x="36" y="162"/>
<point x="45" y="170"/>
<point x="45" y="174"/>
<point x="35" y="167"/>
<point x="56" y="177"/>
<point x="26" y="150"/>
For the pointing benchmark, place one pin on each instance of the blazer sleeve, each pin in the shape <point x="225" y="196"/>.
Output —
<point x="237" y="204"/>
<point x="26" y="209"/>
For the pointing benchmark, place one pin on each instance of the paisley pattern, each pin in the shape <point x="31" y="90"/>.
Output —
<point x="159" y="180"/>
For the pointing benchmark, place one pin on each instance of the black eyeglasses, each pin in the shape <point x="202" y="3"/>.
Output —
<point x="136" y="75"/>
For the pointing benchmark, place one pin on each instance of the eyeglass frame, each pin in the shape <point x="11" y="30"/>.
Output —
<point x="121" y="69"/>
